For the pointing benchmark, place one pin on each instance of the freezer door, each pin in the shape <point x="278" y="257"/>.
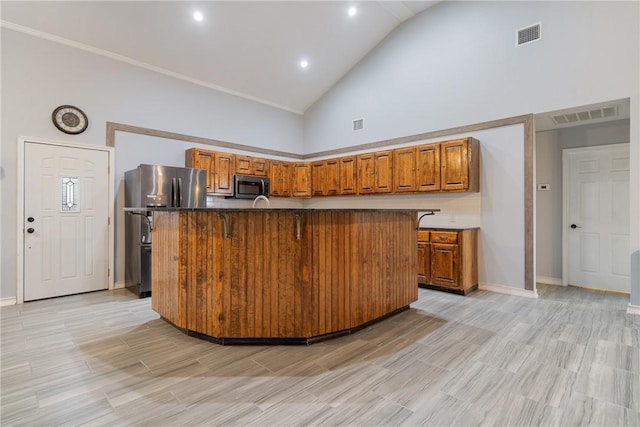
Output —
<point x="191" y="187"/>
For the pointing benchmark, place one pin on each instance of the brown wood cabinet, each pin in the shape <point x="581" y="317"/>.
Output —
<point x="259" y="166"/>
<point x="301" y="180"/>
<point x="220" y="169"/>
<point x="428" y="167"/>
<point x="375" y="172"/>
<point x="444" y="166"/>
<point x="332" y="182"/>
<point x="424" y="257"/>
<point x="318" y="177"/>
<point x="280" y="178"/>
<point x="224" y="168"/>
<point x="448" y="259"/>
<point x="383" y="171"/>
<point x="201" y="159"/>
<point x="248" y="165"/>
<point x="404" y="169"/>
<point x="348" y="174"/>
<point x="243" y="165"/>
<point x="325" y="177"/>
<point x="460" y="167"/>
<point x="366" y="171"/>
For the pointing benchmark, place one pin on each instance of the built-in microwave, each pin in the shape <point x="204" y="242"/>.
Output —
<point x="250" y="187"/>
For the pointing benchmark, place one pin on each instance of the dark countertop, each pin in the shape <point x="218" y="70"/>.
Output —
<point x="152" y="209"/>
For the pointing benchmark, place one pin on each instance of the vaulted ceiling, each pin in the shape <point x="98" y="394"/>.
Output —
<point x="248" y="48"/>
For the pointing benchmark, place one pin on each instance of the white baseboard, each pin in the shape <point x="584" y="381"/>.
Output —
<point x="508" y="290"/>
<point x="549" y="280"/>
<point x="8" y="301"/>
<point x="118" y="285"/>
<point x="633" y="309"/>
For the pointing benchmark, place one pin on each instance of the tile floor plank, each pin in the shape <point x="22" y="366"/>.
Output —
<point x="570" y="357"/>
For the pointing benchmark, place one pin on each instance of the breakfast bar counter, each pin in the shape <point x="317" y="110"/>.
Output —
<point x="281" y="275"/>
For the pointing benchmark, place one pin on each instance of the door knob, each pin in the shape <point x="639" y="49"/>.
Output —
<point x="30" y="219"/>
<point x="575" y="226"/>
<point x="30" y="230"/>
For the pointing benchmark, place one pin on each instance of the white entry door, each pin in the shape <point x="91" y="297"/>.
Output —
<point x="66" y="220"/>
<point x="597" y="216"/>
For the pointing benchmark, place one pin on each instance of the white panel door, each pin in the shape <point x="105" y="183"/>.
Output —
<point x="66" y="214"/>
<point x="597" y="216"/>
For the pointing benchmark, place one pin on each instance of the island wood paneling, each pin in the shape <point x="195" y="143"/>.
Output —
<point x="384" y="265"/>
<point x="329" y="261"/>
<point x="168" y="278"/>
<point x="346" y="269"/>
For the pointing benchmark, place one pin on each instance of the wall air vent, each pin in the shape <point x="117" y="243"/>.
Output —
<point x="357" y="125"/>
<point x="529" y="34"/>
<point x="586" y="115"/>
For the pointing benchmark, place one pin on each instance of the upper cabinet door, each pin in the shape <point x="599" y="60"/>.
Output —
<point x="460" y="166"/>
<point x="404" y="169"/>
<point x="318" y="178"/>
<point x="243" y="165"/>
<point x="348" y="175"/>
<point x="366" y="177"/>
<point x="199" y="159"/>
<point x="301" y="182"/>
<point x="428" y="167"/>
<point x="280" y="177"/>
<point x="383" y="172"/>
<point x="332" y="177"/>
<point x="224" y="169"/>
<point x="259" y="166"/>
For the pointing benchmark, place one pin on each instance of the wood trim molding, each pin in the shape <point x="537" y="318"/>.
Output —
<point x="112" y="128"/>
<point x="529" y="214"/>
<point x="516" y="120"/>
<point x="526" y="120"/>
<point x="527" y="293"/>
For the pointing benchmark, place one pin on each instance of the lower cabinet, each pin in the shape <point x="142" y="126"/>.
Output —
<point x="448" y="259"/>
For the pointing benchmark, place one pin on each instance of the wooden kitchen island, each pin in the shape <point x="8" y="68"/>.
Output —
<point x="281" y="276"/>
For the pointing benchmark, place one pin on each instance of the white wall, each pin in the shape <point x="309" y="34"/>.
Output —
<point x="549" y="146"/>
<point x="39" y="75"/>
<point x="456" y="64"/>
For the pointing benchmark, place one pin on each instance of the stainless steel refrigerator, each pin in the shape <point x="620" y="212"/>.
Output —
<point x="154" y="186"/>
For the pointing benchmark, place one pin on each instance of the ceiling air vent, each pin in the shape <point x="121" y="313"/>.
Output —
<point x="586" y="115"/>
<point x="357" y="124"/>
<point x="528" y="34"/>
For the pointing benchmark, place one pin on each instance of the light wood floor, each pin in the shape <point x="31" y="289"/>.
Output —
<point x="571" y="357"/>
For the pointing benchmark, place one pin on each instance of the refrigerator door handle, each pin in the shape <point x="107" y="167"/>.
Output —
<point x="179" y="192"/>
<point x="174" y="192"/>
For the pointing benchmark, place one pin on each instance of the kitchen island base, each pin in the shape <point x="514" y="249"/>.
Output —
<point x="287" y="341"/>
<point x="281" y="276"/>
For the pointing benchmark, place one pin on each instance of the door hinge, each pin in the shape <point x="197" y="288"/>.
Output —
<point x="109" y="221"/>
<point x="108" y="272"/>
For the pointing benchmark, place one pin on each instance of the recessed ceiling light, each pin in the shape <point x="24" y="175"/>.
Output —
<point x="304" y="63"/>
<point x="198" y="16"/>
<point x="352" y="11"/>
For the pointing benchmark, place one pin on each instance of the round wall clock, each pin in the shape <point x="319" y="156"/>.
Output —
<point x="70" y="119"/>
